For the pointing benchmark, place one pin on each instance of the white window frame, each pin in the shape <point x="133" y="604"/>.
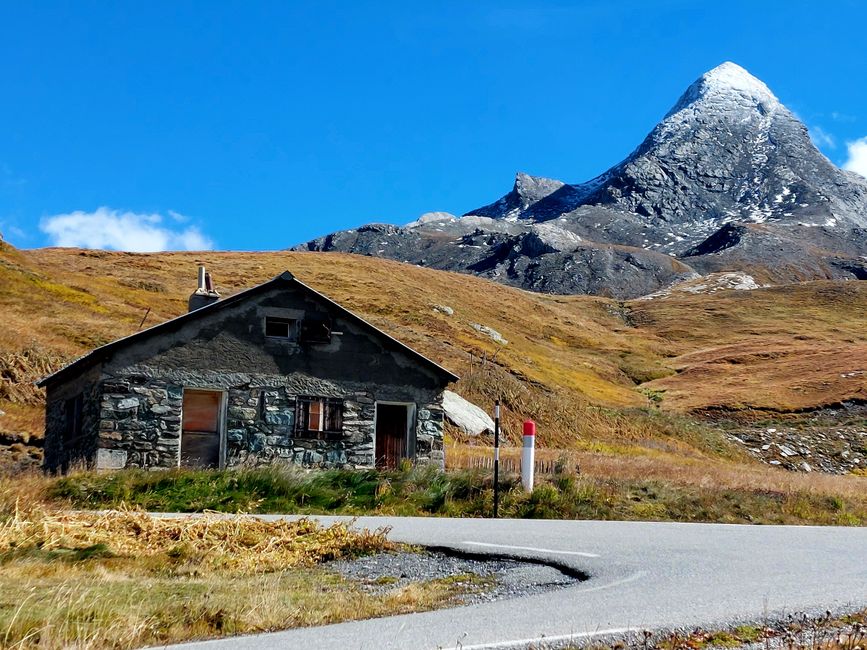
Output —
<point x="292" y="334"/>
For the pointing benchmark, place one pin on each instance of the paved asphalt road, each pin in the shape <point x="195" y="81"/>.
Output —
<point x="642" y="576"/>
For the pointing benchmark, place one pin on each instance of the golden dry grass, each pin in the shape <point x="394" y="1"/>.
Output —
<point x="581" y="366"/>
<point x="661" y="488"/>
<point x="124" y="579"/>
<point x="779" y="349"/>
<point x="703" y="472"/>
<point x="32" y="521"/>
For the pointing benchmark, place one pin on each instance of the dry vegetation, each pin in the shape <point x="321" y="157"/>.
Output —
<point x="124" y="580"/>
<point x="793" y="632"/>
<point x="598" y="375"/>
<point x="778" y="349"/>
<point x="663" y="487"/>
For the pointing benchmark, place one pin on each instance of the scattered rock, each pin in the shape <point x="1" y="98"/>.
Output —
<point x="787" y="451"/>
<point x="465" y="415"/>
<point x="711" y="283"/>
<point x="489" y="331"/>
<point x="823" y="448"/>
<point x="444" y="309"/>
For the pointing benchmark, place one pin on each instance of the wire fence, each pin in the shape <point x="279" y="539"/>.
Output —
<point x="547" y="461"/>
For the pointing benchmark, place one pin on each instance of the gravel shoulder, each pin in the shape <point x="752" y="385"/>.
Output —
<point x="479" y="580"/>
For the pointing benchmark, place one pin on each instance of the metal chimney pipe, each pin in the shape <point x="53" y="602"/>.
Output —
<point x="201" y="278"/>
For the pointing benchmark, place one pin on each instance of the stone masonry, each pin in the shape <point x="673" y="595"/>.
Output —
<point x="122" y="405"/>
<point x="141" y="416"/>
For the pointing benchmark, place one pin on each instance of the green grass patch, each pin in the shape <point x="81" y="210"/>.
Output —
<point x="427" y="491"/>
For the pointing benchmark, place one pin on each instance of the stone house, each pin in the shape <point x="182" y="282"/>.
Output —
<point x="278" y="372"/>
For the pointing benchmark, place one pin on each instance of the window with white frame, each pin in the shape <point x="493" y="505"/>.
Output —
<point x="281" y="328"/>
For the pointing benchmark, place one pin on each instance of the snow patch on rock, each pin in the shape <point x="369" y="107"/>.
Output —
<point x="711" y="283"/>
<point x="432" y="217"/>
<point x="556" y="237"/>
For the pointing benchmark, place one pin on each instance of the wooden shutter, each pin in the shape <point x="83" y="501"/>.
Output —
<point x="201" y="410"/>
<point x="314" y="419"/>
<point x="200" y="434"/>
<point x="301" y="414"/>
<point x="334" y="416"/>
<point x="72" y="431"/>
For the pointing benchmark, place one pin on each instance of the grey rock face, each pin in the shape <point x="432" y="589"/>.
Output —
<point x="465" y="415"/>
<point x="729" y="180"/>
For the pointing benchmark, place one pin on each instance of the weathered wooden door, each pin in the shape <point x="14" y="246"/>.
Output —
<point x="200" y="433"/>
<point x="391" y="433"/>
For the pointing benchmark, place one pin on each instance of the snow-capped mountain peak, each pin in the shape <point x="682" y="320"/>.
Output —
<point x="728" y="82"/>
<point x="728" y="180"/>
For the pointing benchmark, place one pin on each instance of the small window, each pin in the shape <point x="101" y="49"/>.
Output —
<point x="318" y="417"/>
<point x="279" y="328"/>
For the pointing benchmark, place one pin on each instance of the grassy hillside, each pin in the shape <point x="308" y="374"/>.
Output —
<point x="778" y="349"/>
<point x="595" y="373"/>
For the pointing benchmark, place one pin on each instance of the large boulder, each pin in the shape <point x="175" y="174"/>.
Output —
<point x="465" y="415"/>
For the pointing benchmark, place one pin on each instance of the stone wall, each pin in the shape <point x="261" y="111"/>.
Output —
<point x="429" y="448"/>
<point x="141" y="413"/>
<point x="60" y="452"/>
<point x="261" y="424"/>
<point x="140" y="423"/>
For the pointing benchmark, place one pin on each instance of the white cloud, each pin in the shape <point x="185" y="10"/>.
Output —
<point x="125" y="231"/>
<point x="857" y="161"/>
<point x="821" y="138"/>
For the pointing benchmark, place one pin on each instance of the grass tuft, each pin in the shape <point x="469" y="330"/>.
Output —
<point x="708" y="494"/>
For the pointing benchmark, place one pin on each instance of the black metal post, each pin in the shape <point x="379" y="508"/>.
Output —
<point x="496" y="458"/>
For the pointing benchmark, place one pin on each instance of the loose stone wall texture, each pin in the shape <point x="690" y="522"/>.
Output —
<point x="141" y="416"/>
<point x="63" y="452"/>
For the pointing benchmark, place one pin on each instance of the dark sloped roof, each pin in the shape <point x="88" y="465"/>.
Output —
<point x="285" y="278"/>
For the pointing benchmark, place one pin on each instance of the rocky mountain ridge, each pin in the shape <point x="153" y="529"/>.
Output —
<point x="728" y="181"/>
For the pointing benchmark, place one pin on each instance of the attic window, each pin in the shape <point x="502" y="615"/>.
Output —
<point x="280" y="328"/>
<point x="318" y="417"/>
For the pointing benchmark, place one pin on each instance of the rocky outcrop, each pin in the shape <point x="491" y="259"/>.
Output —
<point x="729" y="180"/>
<point x="465" y="415"/>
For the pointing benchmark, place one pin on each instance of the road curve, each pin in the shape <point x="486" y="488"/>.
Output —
<point x="642" y="576"/>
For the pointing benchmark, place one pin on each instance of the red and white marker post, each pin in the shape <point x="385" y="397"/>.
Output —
<point x="528" y="455"/>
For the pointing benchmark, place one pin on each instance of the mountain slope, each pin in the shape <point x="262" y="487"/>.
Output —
<point x="729" y="180"/>
<point x="583" y="367"/>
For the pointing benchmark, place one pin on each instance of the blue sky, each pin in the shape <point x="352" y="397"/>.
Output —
<point x="259" y="125"/>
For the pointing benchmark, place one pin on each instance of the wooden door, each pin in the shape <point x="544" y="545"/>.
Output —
<point x="391" y="433"/>
<point x="200" y="433"/>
